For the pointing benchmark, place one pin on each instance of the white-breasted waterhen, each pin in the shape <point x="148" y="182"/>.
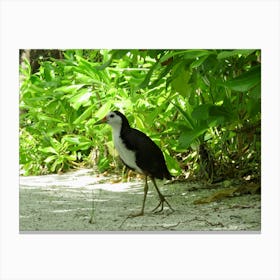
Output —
<point x="139" y="153"/>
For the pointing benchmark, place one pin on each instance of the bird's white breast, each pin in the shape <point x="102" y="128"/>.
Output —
<point x="126" y="155"/>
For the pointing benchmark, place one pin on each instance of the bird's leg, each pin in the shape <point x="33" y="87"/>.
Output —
<point x="146" y="187"/>
<point x="161" y="197"/>
<point x="141" y="213"/>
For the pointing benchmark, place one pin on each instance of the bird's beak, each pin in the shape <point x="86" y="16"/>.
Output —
<point x="104" y="120"/>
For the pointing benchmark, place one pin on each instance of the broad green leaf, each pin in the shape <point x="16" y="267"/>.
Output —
<point x="80" y="99"/>
<point x="187" y="54"/>
<point x="103" y="110"/>
<point x="172" y="164"/>
<point x="227" y="54"/>
<point x="170" y="54"/>
<point x="201" y="112"/>
<point x="72" y="139"/>
<point x="180" y="82"/>
<point x="47" y="70"/>
<point x="146" y="81"/>
<point x="115" y="54"/>
<point x="139" y="123"/>
<point x="86" y="114"/>
<point x="54" y="165"/>
<point x="199" y="61"/>
<point x="50" y="159"/>
<point x="71" y="157"/>
<point x="106" y="64"/>
<point x="189" y="136"/>
<point x="103" y="164"/>
<point x="47" y="118"/>
<point x="254" y="107"/>
<point x="245" y="81"/>
<point x="86" y="66"/>
<point x="84" y="146"/>
<point x="219" y="111"/>
<point x="193" y="54"/>
<point x="256" y="92"/>
<point x="69" y="88"/>
<point x="160" y="77"/>
<point x="94" y="75"/>
<point x="186" y="115"/>
<point x="79" y="142"/>
<point x="48" y="150"/>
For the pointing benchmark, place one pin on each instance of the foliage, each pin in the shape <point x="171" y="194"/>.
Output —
<point x="202" y="107"/>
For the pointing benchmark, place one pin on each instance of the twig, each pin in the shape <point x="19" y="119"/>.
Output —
<point x="192" y="220"/>
<point x="92" y="220"/>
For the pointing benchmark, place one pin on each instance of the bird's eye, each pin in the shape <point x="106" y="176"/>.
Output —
<point x="111" y="116"/>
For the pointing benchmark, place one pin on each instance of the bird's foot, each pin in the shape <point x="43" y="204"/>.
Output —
<point x="159" y="205"/>
<point x="132" y="216"/>
<point x="161" y="202"/>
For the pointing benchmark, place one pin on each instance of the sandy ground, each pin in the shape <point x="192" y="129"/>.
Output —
<point x="80" y="201"/>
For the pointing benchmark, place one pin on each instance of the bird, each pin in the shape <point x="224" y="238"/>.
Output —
<point x="139" y="153"/>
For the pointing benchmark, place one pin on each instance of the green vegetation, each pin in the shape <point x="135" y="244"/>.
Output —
<point x="202" y="107"/>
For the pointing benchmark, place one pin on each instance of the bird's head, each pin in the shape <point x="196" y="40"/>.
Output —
<point x="114" y="119"/>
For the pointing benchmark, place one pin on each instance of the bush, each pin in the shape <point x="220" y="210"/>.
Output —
<point x="202" y="107"/>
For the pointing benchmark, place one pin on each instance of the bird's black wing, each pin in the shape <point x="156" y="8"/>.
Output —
<point x="149" y="157"/>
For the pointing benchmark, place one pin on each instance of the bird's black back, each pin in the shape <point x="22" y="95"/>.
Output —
<point x="149" y="157"/>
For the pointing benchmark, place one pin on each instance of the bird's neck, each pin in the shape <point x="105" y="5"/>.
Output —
<point x="117" y="130"/>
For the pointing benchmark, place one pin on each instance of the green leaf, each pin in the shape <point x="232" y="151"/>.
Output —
<point x="104" y="65"/>
<point x="193" y="54"/>
<point x="79" y="142"/>
<point x="72" y="139"/>
<point x="213" y="114"/>
<point x="256" y="92"/>
<point x="245" y="81"/>
<point x="80" y="99"/>
<point x="227" y="54"/>
<point x="189" y="136"/>
<point x="50" y="159"/>
<point x="139" y="123"/>
<point x="186" y="115"/>
<point x="54" y="165"/>
<point x="170" y="54"/>
<point x="254" y="107"/>
<point x="148" y="76"/>
<point x="71" y="157"/>
<point x="201" y="112"/>
<point x="48" y="150"/>
<point x="199" y="61"/>
<point x="47" y="118"/>
<point x="116" y="54"/>
<point x="103" y="110"/>
<point x="160" y="77"/>
<point x="172" y="164"/>
<point x="103" y="164"/>
<point x="69" y="88"/>
<point x="186" y="54"/>
<point x="215" y="110"/>
<point x="86" y="114"/>
<point x="180" y="81"/>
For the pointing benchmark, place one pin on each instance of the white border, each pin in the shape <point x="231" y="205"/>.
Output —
<point x="145" y="24"/>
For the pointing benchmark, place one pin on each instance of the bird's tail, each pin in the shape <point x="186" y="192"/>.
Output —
<point x="167" y="175"/>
